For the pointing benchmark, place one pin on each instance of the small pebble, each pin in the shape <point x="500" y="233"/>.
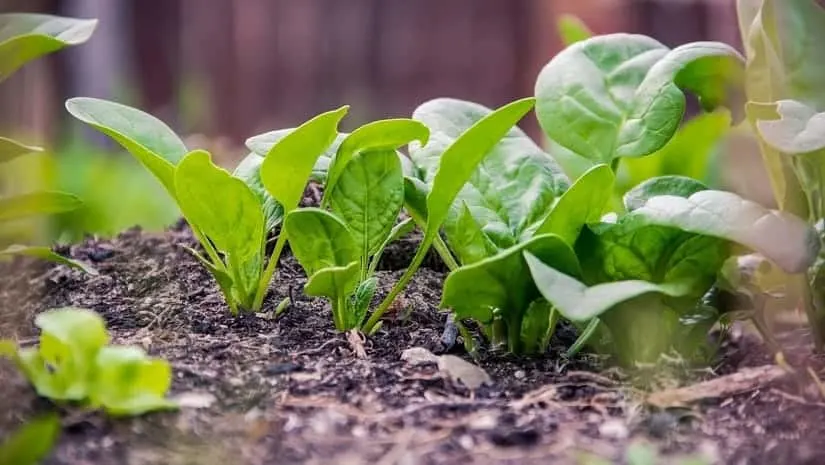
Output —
<point x="520" y="374"/>
<point x="614" y="429"/>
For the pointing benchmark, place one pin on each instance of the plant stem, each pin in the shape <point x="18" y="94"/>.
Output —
<point x="400" y="285"/>
<point x="263" y="284"/>
<point x="445" y="254"/>
<point x="337" y="312"/>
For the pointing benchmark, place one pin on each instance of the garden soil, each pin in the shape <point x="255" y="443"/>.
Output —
<point x="290" y="390"/>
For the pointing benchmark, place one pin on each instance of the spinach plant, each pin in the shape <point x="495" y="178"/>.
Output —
<point x="32" y="442"/>
<point x="25" y="37"/>
<point x="783" y="44"/>
<point x="74" y="363"/>
<point x="229" y="215"/>
<point x="340" y="244"/>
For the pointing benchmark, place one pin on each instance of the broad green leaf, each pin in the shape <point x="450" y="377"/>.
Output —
<point x="27" y="36"/>
<point x="289" y="163"/>
<point x="220" y="205"/>
<point x="621" y="95"/>
<point x="633" y="249"/>
<point x="503" y="281"/>
<point x="383" y="136"/>
<point x="415" y="199"/>
<point x="360" y="303"/>
<point x="78" y="327"/>
<point x="11" y="149"/>
<point x="263" y="143"/>
<point x="781" y="237"/>
<point x="513" y="186"/>
<point x="37" y="203"/>
<point x="147" y="138"/>
<point x="32" y="442"/>
<point x="680" y="186"/>
<point x="572" y="29"/>
<point x="249" y="171"/>
<point x="45" y="253"/>
<point x="689" y="153"/>
<point x="319" y="240"/>
<point x="578" y="302"/>
<point x="333" y="281"/>
<point x="368" y="196"/>
<point x="583" y="203"/>
<point x="128" y="382"/>
<point x="800" y="128"/>
<point x="467" y="238"/>
<point x="456" y="165"/>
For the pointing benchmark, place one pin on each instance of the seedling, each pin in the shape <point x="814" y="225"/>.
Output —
<point x="340" y="248"/>
<point x="74" y="363"/>
<point x="25" y="37"/>
<point x="229" y="215"/>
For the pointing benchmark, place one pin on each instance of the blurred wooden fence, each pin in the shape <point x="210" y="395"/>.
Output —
<point x="235" y="68"/>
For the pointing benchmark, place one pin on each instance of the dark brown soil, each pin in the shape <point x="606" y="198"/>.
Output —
<point x="292" y="390"/>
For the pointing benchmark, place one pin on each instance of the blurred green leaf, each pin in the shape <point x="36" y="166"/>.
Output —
<point x="37" y="203"/>
<point x="31" y="443"/>
<point x="45" y="253"/>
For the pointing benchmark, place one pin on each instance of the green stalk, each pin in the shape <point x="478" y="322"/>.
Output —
<point x="337" y="312"/>
<point x="445" y="254"/>
<point x="399" y="286"/>
<point x="263" y="284"/>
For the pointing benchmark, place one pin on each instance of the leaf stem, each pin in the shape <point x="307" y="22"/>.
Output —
<point x="400" y="285"/>
<point x="444" y="251"/>
<point x="263" y="284"/>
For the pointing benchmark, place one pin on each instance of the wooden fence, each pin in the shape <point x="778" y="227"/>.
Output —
<point x="237" y="67"/>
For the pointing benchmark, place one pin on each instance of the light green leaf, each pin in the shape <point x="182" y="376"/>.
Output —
<point x="383" y="136"/>
<point x="37" y="203"/>
<point x="583" y="203"/>
<point x="680" y="186"/>
<point x="289" y="163"/>
<point x="27" y="36"/>
<point x="45" y="253"/>
<point x="263" y="143"/>
<point x="537" y="326"/>
<point x="11" y="149"/>
<point x="147" y="138"/>
<point x="221" y="206"/>
<point x="32" y="442"/>
<point x="128" y="382"/>
<point x="781" y="237"/>
<point x="783" y="42"/>
<point x="320" y="240"/>
<point x="368" y="196"/>
<point x="333" y="281"/>
<point x="249" y="171"/>
<point x="572" y="29"/>
<point x="513" y="186"/>
<point x="467" y="239"/>
<point x="503" y="281"/>
<point x="799" y="130"/>
<point x="621" y="95"/>
<point x="578" y="302"/>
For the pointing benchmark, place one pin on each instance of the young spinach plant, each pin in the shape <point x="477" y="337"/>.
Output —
<point x="229" y="215"/>
<point x="25" y="37"/>
<point x="340" y="247"/>
<point x="74" y="363"/>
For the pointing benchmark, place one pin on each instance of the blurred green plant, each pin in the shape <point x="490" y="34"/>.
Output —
<point x="32" y="442"/>
<point x="25" y="37"/>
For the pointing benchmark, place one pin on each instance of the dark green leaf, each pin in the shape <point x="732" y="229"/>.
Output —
<point x="513" y="186"/>
<point x="621" y="95"/>
<point x="467" y="238"/>
<point x="368" y="196"/>
<point x="583" y="203"/>
<point x="27" y="36"/>
<point x="151" y="141"/>
<point x="680" y="186"/>
<point x="536" y="326"/>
